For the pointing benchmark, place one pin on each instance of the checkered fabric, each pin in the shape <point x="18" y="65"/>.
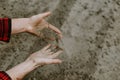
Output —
<point x="4" y="76"/>
<point x="5" y="29"/>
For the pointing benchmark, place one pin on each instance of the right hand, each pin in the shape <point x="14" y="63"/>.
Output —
<point x="45" y="56"/>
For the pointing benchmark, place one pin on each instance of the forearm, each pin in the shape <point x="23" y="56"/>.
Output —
<point x="19" y="25"/>
<point x="19" y="71"/>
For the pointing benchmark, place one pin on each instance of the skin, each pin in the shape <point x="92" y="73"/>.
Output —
<point x="40" y="58"/>
<point x="30" y="25"/>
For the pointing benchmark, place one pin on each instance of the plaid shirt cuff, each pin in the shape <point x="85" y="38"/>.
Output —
<point x="4" y="76"/>
<point x="5" y="29"/>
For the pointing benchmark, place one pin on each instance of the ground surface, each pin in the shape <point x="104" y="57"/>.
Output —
<point x="91" y="41"/>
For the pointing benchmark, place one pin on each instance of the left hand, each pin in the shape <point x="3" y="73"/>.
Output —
<point x="32" y="24"/>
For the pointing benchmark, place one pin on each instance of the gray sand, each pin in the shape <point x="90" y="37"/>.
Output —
<point x="91" y="41"/>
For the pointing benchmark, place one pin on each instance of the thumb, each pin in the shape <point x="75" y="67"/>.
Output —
<point x="53" y="61"/>
<point x="37" y="18"/>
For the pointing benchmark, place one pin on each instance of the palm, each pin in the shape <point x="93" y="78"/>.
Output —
<point x="45" y="56"/>
<point x="38" y="21"/>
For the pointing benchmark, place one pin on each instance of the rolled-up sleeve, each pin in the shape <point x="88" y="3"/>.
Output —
<point x="4" y="76"/>
<point x="5" y="29"/>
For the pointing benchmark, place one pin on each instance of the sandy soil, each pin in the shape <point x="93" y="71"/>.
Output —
<point x="91" y="41"/>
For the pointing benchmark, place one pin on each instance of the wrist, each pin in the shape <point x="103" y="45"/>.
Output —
<point x="20" y="70"/>
<point x="19" y="25"/>
<point x="34" y="64"/>
<point x="30" y="63"/>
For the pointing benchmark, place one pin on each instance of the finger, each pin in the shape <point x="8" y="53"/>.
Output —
<point x="45" y="48"/>
<point x="53" y="61"/>
<point x="55" y="29"/>
<point x="37" y="18"/>
<point x="47" y="25"/>
<point x="50" y="53"/>
<point x="48" y="50"/>
<point x="56" y="54"/>
<point x="43" y="15"/>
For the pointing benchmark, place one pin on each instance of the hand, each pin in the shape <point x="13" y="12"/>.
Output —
<point x="32" y="24"/>
<point x="45" y="56"/>
<point x="40" y="58"/>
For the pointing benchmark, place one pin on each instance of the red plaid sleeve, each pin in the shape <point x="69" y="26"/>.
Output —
<point x="5" y="29"/>
<point x="4" y="76"/>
